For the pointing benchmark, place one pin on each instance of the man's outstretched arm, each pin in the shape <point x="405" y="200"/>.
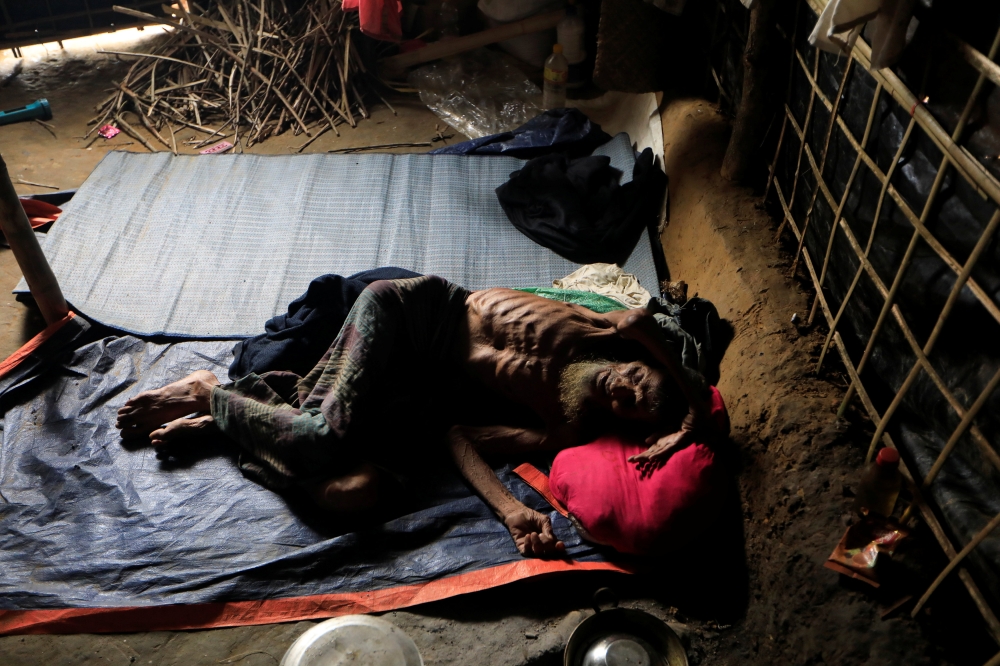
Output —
<point x="531" y="530"/>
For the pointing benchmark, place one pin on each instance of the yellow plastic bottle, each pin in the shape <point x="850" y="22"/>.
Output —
<point x="555" y="76"/>
<point x="880" y="485"/>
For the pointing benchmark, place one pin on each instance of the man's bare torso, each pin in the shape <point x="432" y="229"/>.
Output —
<point x="518" y="344"/>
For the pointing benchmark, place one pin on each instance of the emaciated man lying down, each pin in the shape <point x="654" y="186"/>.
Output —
<point x="503" y="372"/>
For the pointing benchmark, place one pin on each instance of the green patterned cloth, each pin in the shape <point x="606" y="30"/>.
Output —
<point x="596" y="302"/>
<point x="397" y="343"/>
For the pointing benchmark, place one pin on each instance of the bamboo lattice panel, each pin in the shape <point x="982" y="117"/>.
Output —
<point x="895" y="220"/>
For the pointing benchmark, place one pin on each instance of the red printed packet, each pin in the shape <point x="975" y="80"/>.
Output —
<point x="857" y="553"/>
<point x="109" y="131"/>
<point x="216" y="148"/>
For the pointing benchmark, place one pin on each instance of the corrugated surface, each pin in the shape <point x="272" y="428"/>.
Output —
<point x="213" y="246"/>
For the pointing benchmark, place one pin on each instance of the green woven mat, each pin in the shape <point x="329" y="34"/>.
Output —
<point x="595" y="302"/>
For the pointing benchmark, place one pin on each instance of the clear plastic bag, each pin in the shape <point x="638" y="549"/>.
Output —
<point x="478" y="93"/>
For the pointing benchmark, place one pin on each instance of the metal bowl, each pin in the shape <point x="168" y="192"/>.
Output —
<point x="359" y="640"/>
<point x="623" y="637"/>
<point x="622" y="650"/>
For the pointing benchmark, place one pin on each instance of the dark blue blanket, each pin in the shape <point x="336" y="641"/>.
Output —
<point x="555" y="131"/>
<point x="295" y="341"/>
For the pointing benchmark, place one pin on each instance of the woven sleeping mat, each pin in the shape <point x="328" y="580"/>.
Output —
<point x="213" y="246"/>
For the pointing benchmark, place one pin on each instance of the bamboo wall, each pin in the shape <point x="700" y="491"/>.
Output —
<point x="891" y="349"/>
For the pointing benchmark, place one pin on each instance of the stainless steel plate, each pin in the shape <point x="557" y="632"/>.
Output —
<point x="357" y="640"/>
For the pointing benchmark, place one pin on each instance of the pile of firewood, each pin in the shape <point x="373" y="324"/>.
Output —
<point x="250" y="68"/>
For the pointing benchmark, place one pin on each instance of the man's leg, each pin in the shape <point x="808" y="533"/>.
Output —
<point x="285" y="444"/>
<point x="358" y="490"/>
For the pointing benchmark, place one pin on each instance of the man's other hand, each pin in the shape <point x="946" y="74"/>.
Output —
<point x="532" y="534"/>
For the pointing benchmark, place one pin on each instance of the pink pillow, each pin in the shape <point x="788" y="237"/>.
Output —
<point x="603" y="491"/>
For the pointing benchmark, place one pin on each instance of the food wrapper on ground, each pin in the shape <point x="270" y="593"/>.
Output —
<point x="222" y="146"/>
<point x="858" y="551"/>
<point x="108" y="131"/>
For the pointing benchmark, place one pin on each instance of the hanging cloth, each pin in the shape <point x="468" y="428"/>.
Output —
<point x="379" y="18"/>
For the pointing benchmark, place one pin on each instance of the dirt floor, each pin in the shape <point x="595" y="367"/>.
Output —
<point x="752" y="592"/>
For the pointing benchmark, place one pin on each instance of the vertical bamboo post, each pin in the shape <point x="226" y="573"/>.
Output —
<point x="751" y="117"/>
<point x="28" y="253"/>
<point x="788" y="99"/>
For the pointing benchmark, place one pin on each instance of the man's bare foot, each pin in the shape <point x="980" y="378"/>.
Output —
<point x="150" y="409"/>
<point x="356" y="491"/>
<point x="180" y="432"/>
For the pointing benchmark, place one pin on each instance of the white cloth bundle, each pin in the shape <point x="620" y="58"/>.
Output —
<point x="608" y="280"/>
<point x="842" y="21"/>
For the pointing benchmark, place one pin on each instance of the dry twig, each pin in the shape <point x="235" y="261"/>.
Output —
<point x="383" y="146"/>
<point x="28" y="182"/>
<point x="259" y="66"/>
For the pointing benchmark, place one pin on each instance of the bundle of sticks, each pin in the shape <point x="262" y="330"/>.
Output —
<point x="251" y="68"/>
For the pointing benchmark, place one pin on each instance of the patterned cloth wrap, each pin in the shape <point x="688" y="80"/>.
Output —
<point x="395" y="349"/>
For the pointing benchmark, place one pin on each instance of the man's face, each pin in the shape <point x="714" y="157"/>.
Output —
<point x="629" y="390"/>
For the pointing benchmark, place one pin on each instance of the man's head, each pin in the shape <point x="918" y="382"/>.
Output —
<point x="633" y="391"/>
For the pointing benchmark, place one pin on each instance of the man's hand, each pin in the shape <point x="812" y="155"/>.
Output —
<point x="663" y="445"/>
<point x="638" y="324"/>
<point x="532" y="533"/>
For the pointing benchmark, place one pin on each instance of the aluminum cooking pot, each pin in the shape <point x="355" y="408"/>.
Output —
<point x="623" y="637"/>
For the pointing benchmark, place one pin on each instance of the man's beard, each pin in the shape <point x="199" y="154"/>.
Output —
<point x="576" y="386"/>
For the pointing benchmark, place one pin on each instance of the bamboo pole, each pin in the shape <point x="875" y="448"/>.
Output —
<point x="821" y="167"/>
<point x="788" y="97"/>
<point x="843" y="202"/>
<point x="802" y="147"/>
<point x="961" y="428"/>
<point x="28" y="253"/>
<point x="970" y="170"/>
<point x="458" y="45"/>
<point x="976" y="540"/>
<point x="983" y="63"/>
<point x="956" y="290"/>
<point x="751" y="116"/>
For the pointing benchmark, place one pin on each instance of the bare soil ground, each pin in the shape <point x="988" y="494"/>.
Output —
<point x="753" y="592"/>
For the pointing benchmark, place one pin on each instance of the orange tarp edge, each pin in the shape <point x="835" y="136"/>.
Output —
<point x="31" y="345"/>
<point x="267" y="611"/>
<point x="536" y="478"/>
